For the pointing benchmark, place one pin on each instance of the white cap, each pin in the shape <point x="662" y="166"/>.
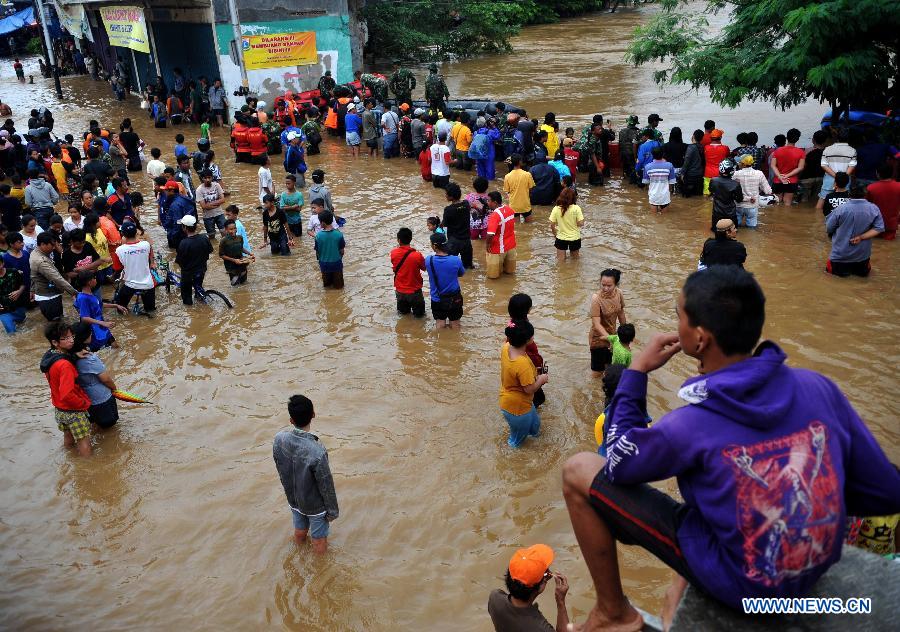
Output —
<point x="260" y="105"/>
<point x="356" y="99"/>
<point x="291" y="136"/>
<point x="188" y="220"/>
<point x="351" y="108"/>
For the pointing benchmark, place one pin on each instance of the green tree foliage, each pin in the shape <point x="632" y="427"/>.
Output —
<point x="34" y="46"/>
<point x="842" y="52"/>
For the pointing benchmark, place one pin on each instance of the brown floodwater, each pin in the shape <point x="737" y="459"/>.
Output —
<point x="178" y="521"/>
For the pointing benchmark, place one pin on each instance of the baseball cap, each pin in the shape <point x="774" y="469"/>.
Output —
<point x="293" y="135"/>
<point x="188" y="220"/>
<point x="746" y="160"/>
<point x="528" y="566"/>
<point x="351" y="108"/>
<point x="128" y="229"/>
<point x="716" y="133"/>
<point x="654" y="117"/>
<point x="171" y="185"/>
<point x="404" y="107"/>
<point x="356" y="99"/>
<point x="419" y="112"/>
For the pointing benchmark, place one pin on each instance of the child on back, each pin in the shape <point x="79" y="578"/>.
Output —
<point x="90" y="309"/>
<point x="180" y="148"/>
<point x="620" y="343"/>
<point x="478" y="202"/>
<point x="302" y="464"/>
<point x="232" y="212"/>
<point x="70" y="402"/>
<point x="518" y="308"/>
<point x="434" y="226"/>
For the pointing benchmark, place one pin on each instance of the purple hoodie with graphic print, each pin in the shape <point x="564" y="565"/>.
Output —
<point x="769" y="460"/>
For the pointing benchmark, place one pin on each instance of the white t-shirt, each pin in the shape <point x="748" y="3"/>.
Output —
<point x="29" y="242"/>
<point x="440" y="165"/>
<point x="155" y="168"/>
<point x="135" y="260"/>
<point x="69" y="225"/>
<point x="265" y="180"/>
<point x="314" y="224"/>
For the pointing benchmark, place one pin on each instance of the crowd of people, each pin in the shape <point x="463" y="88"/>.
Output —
<point x="791" y="430"/>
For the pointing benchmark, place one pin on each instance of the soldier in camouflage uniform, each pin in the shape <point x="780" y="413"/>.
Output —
<point x="435" y="89"/>
<point x="402" y="83"/>
<point x="652" y="124"/>
<point x="378" y="86"/>
<point x="629" y="137"/>
<point x="326" y="85"/>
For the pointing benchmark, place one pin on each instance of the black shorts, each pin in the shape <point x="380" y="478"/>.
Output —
<point x="843" y="269"/>
<point x="568" y="245"/>
<point x="525" y="215"/>
<point x="600" y="357"/>
<point x="372" y="144"/>
<point x="413" y="302"/>
<point x="440" y="182"/>
<point x="448" y="308"/>
<point x="780" y="187"/>
<point x="106" y="414"/>
<point x="643" y="516"/>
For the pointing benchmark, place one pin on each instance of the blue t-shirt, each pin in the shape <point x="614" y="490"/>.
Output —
<point x="88" y="370"/>
<point x="181" y="150"/>
<point x="292" y="199"/>
<point x="90" y="306"/>
<point x="448" y="269"/>
<point x="329" y="244"/>
<point x="353" y="123"/>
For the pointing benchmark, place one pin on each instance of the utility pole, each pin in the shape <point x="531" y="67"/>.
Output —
<point x="238" y="41"/>
<point x="49" y="57"/>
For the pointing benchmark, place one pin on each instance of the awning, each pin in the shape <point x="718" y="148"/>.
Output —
<point x="17" y="20"/>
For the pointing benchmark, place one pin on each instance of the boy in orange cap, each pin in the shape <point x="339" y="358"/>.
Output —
<point x="527" y="577"/>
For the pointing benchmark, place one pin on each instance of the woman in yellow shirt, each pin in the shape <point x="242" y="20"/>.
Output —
<point x="95" y="237"/>
<point x="552" y="143"/>
<point x="566" y="220"/>
<point x="519" y="380"/>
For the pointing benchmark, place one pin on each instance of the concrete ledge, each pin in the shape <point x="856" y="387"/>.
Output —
<point x="858" y="574"/>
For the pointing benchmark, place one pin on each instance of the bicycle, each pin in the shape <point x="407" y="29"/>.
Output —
<point x="168" y="278"/>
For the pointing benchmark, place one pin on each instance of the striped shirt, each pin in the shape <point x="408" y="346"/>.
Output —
<point x="839" y="157"/>
<point x="753" y="182"/>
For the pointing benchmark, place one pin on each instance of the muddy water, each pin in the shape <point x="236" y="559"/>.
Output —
<point x="178" y="521"/>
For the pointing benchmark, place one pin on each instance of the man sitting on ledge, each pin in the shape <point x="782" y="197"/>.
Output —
<point x="769" y="460"/>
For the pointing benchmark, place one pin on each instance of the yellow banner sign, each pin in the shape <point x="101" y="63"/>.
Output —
<point x="125" y="27"/>
<point x="279" y="50"/>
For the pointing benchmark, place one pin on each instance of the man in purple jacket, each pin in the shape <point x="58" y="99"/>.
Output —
<point x="769" y="460"/>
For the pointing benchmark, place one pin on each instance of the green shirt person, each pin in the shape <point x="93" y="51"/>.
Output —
<point x="378" y="86"/>
<point x="326" y="85"/>
<point x="402" y="83"/>
<point x="435" y="89"/>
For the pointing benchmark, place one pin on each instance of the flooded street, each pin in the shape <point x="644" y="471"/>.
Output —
<point x="178" y="521"/>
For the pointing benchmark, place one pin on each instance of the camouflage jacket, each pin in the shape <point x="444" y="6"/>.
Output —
<point x="402" y="82"/>
<point x="628" y="137"/>
<point x="376" y="85"/>
<point x="435" y="88"/>
<point x="657" y="135"/>
<point x="325" y="86"/>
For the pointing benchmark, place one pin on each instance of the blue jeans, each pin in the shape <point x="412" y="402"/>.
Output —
<point x="212" y="223"/>
<point x="316" y="525"/>
<point x="747" y="216"/>
<point x="827" y="186"/>
<point x="522" y="426"/>
<point x="390" y="147"/>
<point x="12" y="318"/>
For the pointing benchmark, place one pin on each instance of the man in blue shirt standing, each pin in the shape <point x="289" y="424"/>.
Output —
<point x="444" y="271"/>
<point x="851" y="227"/>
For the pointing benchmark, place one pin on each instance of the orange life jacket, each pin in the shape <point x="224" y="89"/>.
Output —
<point x="239" y="140"/>
<point x="258" y="141"/>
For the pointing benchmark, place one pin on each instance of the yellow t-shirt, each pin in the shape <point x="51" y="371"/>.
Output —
<point x="101" y="245"/>
<point x="518" y="184"/>
<point x="552" y="144"/>
<point x="463" y="138"/>
<point x="514" y="376"/>
<point x="59" y="172"/>
<point x="567" y="225"/>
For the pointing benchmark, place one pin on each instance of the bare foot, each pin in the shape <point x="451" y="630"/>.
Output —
<point x="630" y="621"/>
<point x="299" y="536"/>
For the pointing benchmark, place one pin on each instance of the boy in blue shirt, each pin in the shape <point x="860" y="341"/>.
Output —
<point x="444" y="271"/>
<point x="90" y="309"/>
<point x="330" y="252"/>
<point x="180" y="147"/>
<point x="232" y="212"/>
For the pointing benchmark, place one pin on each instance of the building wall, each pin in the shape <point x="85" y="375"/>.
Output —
<point x="333" y="44"/>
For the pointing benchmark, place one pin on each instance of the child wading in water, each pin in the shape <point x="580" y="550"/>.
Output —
<point x="275" y="227"/>
<point x="69" y="399"/>
<point x="302" y="464"/>
<point x="232" y="251"/>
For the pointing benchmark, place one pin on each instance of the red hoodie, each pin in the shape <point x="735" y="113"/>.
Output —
<point x="65" y="393"/>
